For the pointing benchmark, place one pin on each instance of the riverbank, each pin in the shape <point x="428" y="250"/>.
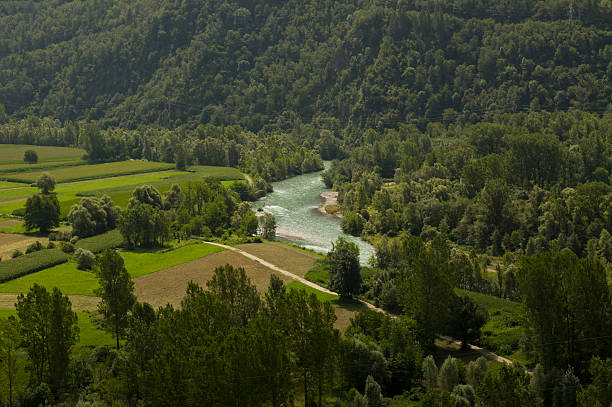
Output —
<point x="330" y="204"/>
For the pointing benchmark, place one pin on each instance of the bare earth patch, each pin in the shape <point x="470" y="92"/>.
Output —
<point x="284" y="257"/>
<point x="9" y="223"/>
<point x="79" y="302"/>
<point x="169" y="285"/>
<point x="9" y="242"/>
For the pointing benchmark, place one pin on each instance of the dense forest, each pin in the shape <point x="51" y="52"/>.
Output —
<point x="470" y="143"/>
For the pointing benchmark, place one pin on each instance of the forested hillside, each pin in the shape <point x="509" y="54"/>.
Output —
<point x="272" y="64"/>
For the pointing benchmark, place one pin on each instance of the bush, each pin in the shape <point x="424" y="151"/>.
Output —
<point x="34" y="247"/>
<point x="67" y="247"/>
<point x="60" y="235"/>
<point x="30" y="263"/>
<point x="51" y="245"/>
<point x="96" y="244"/>
<point x="30" y="157"/>
<point x="84" y="259"/>
<point x="16" y="253"/>
<point x="74" y="239"/>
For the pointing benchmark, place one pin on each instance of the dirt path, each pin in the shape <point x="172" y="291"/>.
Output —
<point x="249" y="180"/>
<point x="367" y="304"/>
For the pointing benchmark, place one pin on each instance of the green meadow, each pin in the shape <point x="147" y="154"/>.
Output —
<point x="89" y="334"/>
<point x="72" y="281"/>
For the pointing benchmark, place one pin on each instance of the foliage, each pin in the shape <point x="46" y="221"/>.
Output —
<point x="49" y="330"/>
<point x="46" y="183"/>
<point x="560" y="289"/>
<point x="508" y="382"/>
<point x="30" y="263"/>
<point x="466" y="320"/>
<point x="267" y="226"/>
<point x="430" y="372"/>
<point x="599" y="392"/>
<point x="143" y="225"/>
<point x="30" y="157"/>
<point x="344" y="268"/>
<point x="93" y="216"/>
<point x="448" y="377"/>
<point x="84" y="259"/>
<point x="42" y="212"/>
<point x="116" y="292"/>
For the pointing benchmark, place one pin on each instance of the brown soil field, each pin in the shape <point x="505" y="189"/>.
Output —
<point x="8" y="223"/>
<point x="79" y="302"/>
<point x="169" y="285"/>
<point x="10" y="242"/>
<point x="287" y="258"/>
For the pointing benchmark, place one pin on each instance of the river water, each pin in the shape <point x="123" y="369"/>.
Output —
<point x="295" y="203"/>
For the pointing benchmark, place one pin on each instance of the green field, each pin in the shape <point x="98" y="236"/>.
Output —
<point x="119" y="188"/>
<point x="89" y="334"/>
<point x="90" y="171"/>
<point x="72" y="281"/>
<point x="7" y="184"/>
<point x="13" y="153"/>
<point x="501" y="334"/>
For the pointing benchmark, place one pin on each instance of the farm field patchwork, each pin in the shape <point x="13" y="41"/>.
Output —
<point x="9" y="242"/>
<point x="72" y="281"/>
<point x="91" y="171"/>
<point x="119" y="188"/>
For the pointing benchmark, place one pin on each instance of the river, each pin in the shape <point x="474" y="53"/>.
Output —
<point x="294" y="203"/>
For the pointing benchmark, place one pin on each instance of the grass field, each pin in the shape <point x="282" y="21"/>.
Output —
<point x="90" y="171"/>
<point x="501" y="334"/>
<point x="13" y="153"/>
<point x="72" y="281"/>
<point x="89" y="334"/>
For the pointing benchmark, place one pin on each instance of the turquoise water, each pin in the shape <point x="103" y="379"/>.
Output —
<point x="294" y="203"/>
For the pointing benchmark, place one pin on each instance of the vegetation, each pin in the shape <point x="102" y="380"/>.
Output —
<point x="344" y="268"/>
<point x="107" y="240"/>
<point x="30" y="263"/>
<point x="42" y="212"/>
<point x="116" y="290"/>
<point x="30" y="157"/>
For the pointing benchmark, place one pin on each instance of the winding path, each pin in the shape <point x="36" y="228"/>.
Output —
<point x="302" y="280"/>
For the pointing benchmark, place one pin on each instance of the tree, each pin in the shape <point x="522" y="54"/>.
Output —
<point x="10" y="340"/>
<point x="116" y="291"/>
<point x="476" y="371"/>
<point x="92" y="141"/>
<point x="30" y="157"/>
<point x="144" y="225"/>
<point x="466" y="320"/>
<point x="46" y="183"/>
<point x="372" y="393"/>
<point x="42" y="212"/>
<point x="49" y="330"/>
<point x="93" y="216"/>
<point x="430" y="372"/>
<point x="345" y="276"/>
<point x="599" y="392"/>
<point x="426" y="286"/>
<point x="267" y="226"/>
<point x="146" y="194"/>
<point x="448" y="377"/>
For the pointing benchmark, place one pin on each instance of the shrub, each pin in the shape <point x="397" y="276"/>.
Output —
<point x="30" y="157"/>
<point x="67" y="247"/>
<point x="34" y="247"/>
<point x="61" y="235"/>
<point x="84" y="259"/>
<point x="74" y="239"/>
<point x="16" y="253"/>
<point x="51" y="245"/>
<point x="30" y="263"/>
